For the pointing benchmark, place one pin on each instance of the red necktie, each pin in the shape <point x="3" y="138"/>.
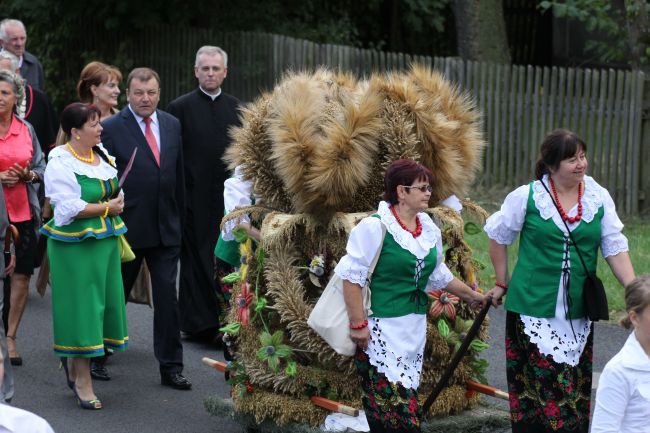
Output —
<point x="151" y="140"/>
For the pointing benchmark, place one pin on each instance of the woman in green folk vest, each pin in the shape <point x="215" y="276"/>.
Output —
<point x="549" y="340"/>
<point x="390" y="343"/>
<point x="87" y="296"/>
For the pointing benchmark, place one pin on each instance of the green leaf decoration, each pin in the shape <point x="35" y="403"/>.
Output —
<point x="231" y="328"/>
<point x="331" y="394"/>
<point x="443" y="328"/>
<point x="231" y="278"/>
<point x="273" y="349"/>
<point x="478" y="345"/>
<point x="240" y="235"/>
<point x="260" y="304"/>
<point x="261" y="258"/>
<point x="472" y="228"/>
<point x="291" y="369"/>
<point x="274" y="363"/>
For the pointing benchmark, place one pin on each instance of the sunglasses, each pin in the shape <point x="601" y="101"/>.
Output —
<point x="422" y="188"/>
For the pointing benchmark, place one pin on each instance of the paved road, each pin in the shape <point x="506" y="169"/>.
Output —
<point x="135" y="402"/>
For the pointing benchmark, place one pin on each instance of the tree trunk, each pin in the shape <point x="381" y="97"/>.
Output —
<point x="481" y="30"/>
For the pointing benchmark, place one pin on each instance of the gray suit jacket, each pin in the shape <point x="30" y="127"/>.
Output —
<point x="32" y="71"/>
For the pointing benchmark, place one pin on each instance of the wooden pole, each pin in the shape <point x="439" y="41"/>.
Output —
<point x="487" y="390"/>
<point x="334" y="406"/>
<point x="217" y="365"/>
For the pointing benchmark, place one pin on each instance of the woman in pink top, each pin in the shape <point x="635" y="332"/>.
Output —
<point x="21" y="170"/>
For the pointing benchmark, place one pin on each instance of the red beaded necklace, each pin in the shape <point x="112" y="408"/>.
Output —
<point x="418" y="225"/>
<point x="563" y="214"/>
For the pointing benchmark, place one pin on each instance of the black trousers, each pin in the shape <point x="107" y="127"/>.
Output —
<point x="163" y="267"/>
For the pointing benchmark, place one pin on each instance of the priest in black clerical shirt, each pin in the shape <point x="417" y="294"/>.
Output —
<point x="206" y="115"/>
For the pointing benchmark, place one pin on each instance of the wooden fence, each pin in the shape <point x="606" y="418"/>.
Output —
<point x="520" y="104"/>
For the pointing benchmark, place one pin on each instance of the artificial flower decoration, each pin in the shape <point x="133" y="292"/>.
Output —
<point x="242" y="301"/>
<point x="317" y="265"/>
<point x="273" y="350"/>
<point x="443" y="302"/>
<point x="246" y="252"/>
<point x="316" y="269"/>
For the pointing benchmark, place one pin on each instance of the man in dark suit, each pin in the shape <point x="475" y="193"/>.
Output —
<point x="13" y="38"/>
<point x="153" y="208"/>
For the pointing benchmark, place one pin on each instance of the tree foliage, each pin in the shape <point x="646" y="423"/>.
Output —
<point x="626" y="31"/>
<point x="414" y="26"/>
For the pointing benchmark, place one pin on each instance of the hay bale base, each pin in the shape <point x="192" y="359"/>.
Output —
<point x="481" y="419"/>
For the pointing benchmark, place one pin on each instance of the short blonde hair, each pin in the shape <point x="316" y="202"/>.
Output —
<point x="8" y="55"/>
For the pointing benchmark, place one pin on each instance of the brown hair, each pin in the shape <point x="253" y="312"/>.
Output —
<point x="403" y="172"/>
<point x="76" y="114"/>
<point x="637" y="298"/>
<point x="94" y="74"/>
<point x="142" y="74"/>
<point x="557" y="146"/>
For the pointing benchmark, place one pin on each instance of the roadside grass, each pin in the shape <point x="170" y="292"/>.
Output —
<point x="636" y="229"/>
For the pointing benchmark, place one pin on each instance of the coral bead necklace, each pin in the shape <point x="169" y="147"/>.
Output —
<point x="563" y="214"/>
<point x="418" y="225"/>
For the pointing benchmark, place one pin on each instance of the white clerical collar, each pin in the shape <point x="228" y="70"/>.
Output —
<point x="215" y="96"/>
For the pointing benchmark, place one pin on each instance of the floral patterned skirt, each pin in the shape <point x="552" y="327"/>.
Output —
<point x="389" y="407"/>
<point x="545" y="396"/>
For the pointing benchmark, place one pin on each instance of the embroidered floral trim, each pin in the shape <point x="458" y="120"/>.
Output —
<point x="440" y="277"/>
<point x="65" y="211"/>
<point x="396" y="368"/>
<point x="614" y="244"/>
<point x="102" y="171"/>
<point x="419" y="246"/>
<point x="348" y="269"/>
<point x="562" y="347"/>
<point x="500" y="233"/>
<point x="591" y="200"/>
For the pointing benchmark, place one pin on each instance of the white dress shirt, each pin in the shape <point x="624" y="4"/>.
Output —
<point x="14" y="420"/>
<point x="155" y="126"/>
<point x="623" y="396"/>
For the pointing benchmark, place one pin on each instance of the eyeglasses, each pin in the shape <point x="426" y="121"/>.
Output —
<point x="422" y="188"/>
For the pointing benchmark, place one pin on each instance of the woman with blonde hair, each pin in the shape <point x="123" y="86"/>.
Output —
<point x="623" y="396"/>
<point x="21" y="170"/>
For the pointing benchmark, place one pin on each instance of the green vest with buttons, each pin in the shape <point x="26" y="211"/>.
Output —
<point x="394" y="292"/>
<point x="533" y="288"/>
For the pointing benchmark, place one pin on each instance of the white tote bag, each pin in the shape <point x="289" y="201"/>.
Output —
<point x="329" y="318"/>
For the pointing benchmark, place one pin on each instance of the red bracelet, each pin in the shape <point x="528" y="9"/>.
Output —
<point x="504" y="286"/>
<point x="360" y="325"/>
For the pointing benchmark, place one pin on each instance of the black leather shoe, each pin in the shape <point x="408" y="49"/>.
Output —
<point x="175" y="380"/>
<point x="99" y="372"/>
